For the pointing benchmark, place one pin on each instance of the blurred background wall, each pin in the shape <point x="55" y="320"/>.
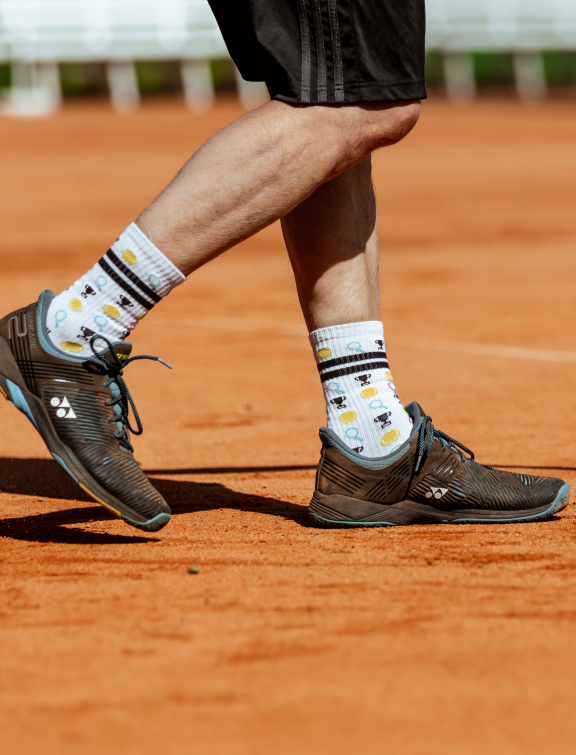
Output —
<point x="126" y="49"/>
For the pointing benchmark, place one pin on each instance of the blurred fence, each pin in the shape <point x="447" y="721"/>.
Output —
<point x="37" y="35"/>
<point x="522" y="28"/>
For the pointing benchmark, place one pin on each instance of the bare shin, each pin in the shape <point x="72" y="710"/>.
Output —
<point x="332" y="241"/>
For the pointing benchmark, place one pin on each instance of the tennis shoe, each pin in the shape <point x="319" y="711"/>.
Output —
<point x="428" y="479"/>
<point x="79" y="404"/>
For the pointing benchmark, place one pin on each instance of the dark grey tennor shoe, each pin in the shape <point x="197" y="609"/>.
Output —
<point x="428" y="480"/>
<point x="79" y="404"/>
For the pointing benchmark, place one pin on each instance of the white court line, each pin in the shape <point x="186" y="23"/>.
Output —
<point x="493" y="350"/>
<point x="246" y="324"/>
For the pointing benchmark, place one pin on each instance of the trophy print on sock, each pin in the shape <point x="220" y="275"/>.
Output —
<point x="112" y="297"/>
<point x="383" y="419"/>
<point x="88" y="291"/>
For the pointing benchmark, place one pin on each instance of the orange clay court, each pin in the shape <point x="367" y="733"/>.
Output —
<point x="293" y="640"/>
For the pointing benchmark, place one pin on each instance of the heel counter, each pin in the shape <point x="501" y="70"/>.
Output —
<point x="318" y="480"/>
<point x="338" y="475"/>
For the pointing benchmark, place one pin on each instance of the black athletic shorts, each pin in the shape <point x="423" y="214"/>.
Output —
<point x="328" y="51"/>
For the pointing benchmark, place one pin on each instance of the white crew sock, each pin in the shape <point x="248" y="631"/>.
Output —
<point x="114" y="296"/>
<point x="361" y="402"/>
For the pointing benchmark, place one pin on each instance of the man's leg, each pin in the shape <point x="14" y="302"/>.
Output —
<point x="259" y="168"/>
<point x="62" y="358"/>
<point x="245" y="177"/>
<point x="332" y="240"/>
<point x="413" y="473"/>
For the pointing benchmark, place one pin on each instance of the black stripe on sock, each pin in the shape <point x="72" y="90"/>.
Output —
<point x="122" y="283"/>
<point x="351" y="358"/>
<point x="381" y="365"/>
<point x="134" y="278"/>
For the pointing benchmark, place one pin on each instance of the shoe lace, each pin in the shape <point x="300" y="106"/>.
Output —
<point x="114" y="370"/>
<point x="426" y="437"/>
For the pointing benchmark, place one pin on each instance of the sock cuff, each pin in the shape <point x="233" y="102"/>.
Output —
<point x="369" y="328"/>
<point x="146" y="261"/>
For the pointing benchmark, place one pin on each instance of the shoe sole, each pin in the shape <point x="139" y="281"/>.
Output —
<point x="34" y="410"/>
<point x="338" y="511"/>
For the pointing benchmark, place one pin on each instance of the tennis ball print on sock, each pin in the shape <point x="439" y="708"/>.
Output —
<point x="390" y="437"/>
<point x="75" y="305"/>
<point x="348" y="417"/>
<point x="324" y="353"/>
<point x="71" y="346"/>
<point x="111" y="311"/>
<point x="369" y="392"/>
<point x="129" y="257"/>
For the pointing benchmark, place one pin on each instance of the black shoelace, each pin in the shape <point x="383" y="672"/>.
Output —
<point x="114" y="370"/>
<point x="426" y="437"/>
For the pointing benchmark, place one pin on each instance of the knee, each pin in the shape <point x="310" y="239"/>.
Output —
<point x="360" y="129"/>
<point x="386" y="125"/>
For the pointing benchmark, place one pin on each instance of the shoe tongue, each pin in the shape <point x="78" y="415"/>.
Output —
<point x="415" y="411"/>
<point x="122" y="349"/>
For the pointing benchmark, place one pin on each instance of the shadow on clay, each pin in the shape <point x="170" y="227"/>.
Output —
<point x="44" y="478"/>
<point x="232" y="470"/>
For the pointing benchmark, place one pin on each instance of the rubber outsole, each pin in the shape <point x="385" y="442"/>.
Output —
<point x="422" y="516"/>
<point x="17" y="396"/>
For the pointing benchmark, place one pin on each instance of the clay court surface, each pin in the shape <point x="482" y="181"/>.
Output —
<point x="424" y="640"/>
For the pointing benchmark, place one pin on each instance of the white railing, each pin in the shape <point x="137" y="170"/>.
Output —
<point x="36" y="35"/>
<point x="524" y="28"/>
<point x="501" y="25"/>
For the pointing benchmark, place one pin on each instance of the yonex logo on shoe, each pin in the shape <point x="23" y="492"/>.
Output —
<point x="436" y="492"/>
<point x="64" y="410"/>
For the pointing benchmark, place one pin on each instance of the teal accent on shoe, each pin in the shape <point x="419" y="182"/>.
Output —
<point x="44" y="301"/>
<point x="20" y="402"/>
<point x="329" y="438"/>
<point x="557" y="503"/>
<point x="349" y="525"/>
<point x="152" y="525"/>
<point x="64" y="467"/>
